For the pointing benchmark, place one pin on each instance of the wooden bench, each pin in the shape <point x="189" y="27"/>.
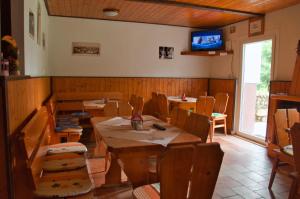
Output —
<point x="54" y="171"/>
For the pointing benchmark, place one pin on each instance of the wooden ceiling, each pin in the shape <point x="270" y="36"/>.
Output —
<point x="189" y="13"/>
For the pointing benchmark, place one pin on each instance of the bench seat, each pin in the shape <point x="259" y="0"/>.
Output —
<point x="64" y="184"/>
<point x="63" y="162"/>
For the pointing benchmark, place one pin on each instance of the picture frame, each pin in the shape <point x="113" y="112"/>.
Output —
<point x="44" y="40"/>
<point x="166" y="52"/>
<point x="256" y="26"/>
<point x="39" y="24"/>
<point x="31" y="24"/>
<point x="86" y="48"/>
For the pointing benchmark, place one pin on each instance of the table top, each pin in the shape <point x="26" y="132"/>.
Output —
<point x="178" y="99"/>
<point x="136" y="140"/>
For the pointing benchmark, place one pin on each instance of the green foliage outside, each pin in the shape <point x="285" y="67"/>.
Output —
<point x="263" y="86"/>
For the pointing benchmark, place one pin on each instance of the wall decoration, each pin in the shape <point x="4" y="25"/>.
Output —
<point x="31" y="24"/>
<point x="256" y="26"/>
<point x="85" y="48"/>
<point x="44" y="40"/>
<point x="166" y="52"/>
<point x="39" y="24"/>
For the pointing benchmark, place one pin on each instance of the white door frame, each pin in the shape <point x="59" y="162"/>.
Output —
<point x="275" y="40"/>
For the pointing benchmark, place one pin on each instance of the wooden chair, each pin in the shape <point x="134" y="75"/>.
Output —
<point x="205" y="105"/>
<point x="139" y="106"/>
<point x="132" y="100"/>
<point x="218" y="116"/>
<point x="284" y="155"/>
<point x="163" y="107"/>
<point x="198" y="125"/>
<point x="155" y="105"/>
<point x="125" y="108"/>
<point x="202" y="93"/>
<point x="111" y="109"/>
<point x="295" y="134"/>
<point x="195" y="177"/>
<point x="173" y="116"/>
<point x="182" y="117"/>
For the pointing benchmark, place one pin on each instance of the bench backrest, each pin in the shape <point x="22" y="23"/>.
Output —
<point x="80" y="96"/>
<point x="34" y="141"/>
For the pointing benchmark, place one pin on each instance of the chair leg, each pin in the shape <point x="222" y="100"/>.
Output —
<point x="106" y="160"/>
<point x="212" y="130"/>
<point x="225" y="126"/>
<point x="273" y="173"/>
<point x="294" y="188"/>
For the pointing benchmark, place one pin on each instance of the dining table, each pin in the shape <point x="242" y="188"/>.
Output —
<point x="189" y="103"/>
<point x="130" y="149"/>
<point x="95" y="107"/>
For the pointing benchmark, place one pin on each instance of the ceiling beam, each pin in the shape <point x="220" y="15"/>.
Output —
<point x="201" y="7"/>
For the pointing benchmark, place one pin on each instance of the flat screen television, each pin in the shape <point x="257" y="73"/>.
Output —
<point x="208" y="40"/>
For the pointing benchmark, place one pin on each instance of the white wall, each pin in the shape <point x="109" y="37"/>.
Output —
<point x="127" y="49"/>
<point x="36" y="58"/>
<point x="283" y="26"/>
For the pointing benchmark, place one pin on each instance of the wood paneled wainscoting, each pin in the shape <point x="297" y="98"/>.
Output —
<point x="144" y="86"/>
<point x="23" y="95"/>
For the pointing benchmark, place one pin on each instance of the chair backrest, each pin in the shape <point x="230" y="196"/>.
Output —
<point x="34" y="142"/>
<point x="182" y="117"/>
<point x="124" y="108"/>
<point x="111" y="109"/>
<point x="198" y="125"/>
<point x="206" y="166"/>
<point x="163" y="106"/>
<point x="132" y="100"/>
<point x="173" y="116"/>
<point x="155" y="105"/>
<point x="221" y="103"/>
<point x="295" y="133"/>
<point x="190" y="167"/>
<point x="281" y="124"/>
<point x="205" y="105"/>
<point x="175" y="168"/>
<point x="202" y="93"/>
<point x="139" y="106"/>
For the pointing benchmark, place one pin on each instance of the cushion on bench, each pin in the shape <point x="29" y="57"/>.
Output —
<point x="64" y="162"/>
<point x="288" y="150"/>
<point x="64" y="184"/>
<point x="69" y="147"/>
<point x="147" y="192"/>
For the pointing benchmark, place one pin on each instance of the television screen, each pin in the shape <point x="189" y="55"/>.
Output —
<point x="207" y="40"/>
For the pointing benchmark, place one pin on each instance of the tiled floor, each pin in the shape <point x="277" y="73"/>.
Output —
<point x="244" y="173"/>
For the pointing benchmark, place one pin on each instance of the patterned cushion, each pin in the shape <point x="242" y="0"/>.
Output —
<point x="217" y="115"/>
<point x="147" y="192"/>
<point x="64" y="162"/>
<point x="64" y="184"/>
<point x="69" y="147"/>
<point x="288" y="150"/>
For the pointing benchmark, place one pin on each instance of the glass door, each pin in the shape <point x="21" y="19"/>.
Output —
<point x="256" y="73"/>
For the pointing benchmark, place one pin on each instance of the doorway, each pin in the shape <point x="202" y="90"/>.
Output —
<point x="256" y="75"/>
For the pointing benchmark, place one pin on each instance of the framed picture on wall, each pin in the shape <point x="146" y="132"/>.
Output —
<point x="86" y="48"/>
<point x="44" y="40"/>
<point x="31" y="24"/>
<point x="166" y="52"/>
<point x="39" y="24"/>
<point x="256" y="26"/>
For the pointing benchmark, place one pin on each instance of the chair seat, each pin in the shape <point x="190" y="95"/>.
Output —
<point x="288" y="150"/>
<point x="69" y="128"/>
<point x="64" y="162"/>
<point x="147" y="192"/>
<point x="66" y="184"/>
<point x="69" y="147"/>
<point x="218" y="115"/>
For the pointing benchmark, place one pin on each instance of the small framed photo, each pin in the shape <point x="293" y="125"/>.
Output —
<point x="86" y="48"/>
<point x="166" y="52"/>
<point x="256" y="26"/>
<point x="31" y="24"/>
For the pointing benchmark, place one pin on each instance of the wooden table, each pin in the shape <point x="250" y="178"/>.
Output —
<point x="133" y="156"/>
<point x="188" y="104"/>
<point x="95" y="107"/>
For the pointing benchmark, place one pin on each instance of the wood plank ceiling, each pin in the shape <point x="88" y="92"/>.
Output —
<point x="188" y="13"/>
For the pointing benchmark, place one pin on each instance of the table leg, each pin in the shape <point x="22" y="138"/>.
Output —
<point x="113" y="175"/>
